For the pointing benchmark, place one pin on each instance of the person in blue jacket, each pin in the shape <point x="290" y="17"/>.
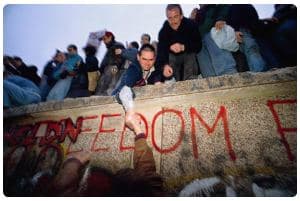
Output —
<point x="139" y="73"/>
<point x="19" y="91"/>
<point x="65" y="75"/>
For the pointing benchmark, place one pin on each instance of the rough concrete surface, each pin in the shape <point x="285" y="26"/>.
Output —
<point x="233" y="125"/>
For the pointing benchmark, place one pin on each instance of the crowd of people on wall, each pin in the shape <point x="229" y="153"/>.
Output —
<point x="216" y="39"/>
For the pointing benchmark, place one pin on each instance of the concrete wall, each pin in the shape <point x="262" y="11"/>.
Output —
<point x="235" y="126"/>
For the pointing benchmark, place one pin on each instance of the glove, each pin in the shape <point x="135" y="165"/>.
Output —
<point x="126" y="97"/>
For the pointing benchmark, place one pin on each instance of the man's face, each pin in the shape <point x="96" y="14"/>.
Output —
<point x="144" y="40"/>
<point x="174" y="18"/>
<point x="60" y="57"/>
<point x="72" y="51"/>
<point x="106" y="39"/>
<point x="146" y="59"/>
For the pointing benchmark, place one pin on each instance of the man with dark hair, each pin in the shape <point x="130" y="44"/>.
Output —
<point x="111" y="66"/>
<point x="179" y="42"/>
<point x="139" y="73"/>
<point x="134" y="44"/>
<point x="145" y="39"/>
<point x="110" y="58"/>
<point x="72" y="47"/>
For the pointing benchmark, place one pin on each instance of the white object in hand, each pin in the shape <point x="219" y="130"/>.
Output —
<point x="126" y="98"/>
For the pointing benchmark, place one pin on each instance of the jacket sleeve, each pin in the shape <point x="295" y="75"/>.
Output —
<point x="91" y="64"/>
<point x="162" y="50"/>
<point x="131" y="77"/>
<point x="194" y="42"/>
<point x="144" y="165"/>
<point x="73" y="63"/>
<point x="128" y="78"/>
<point x="56" y="74"/>
<point x="48" y="69"/>
<point x="143" y="157"/>
<point x="156" y="76"/>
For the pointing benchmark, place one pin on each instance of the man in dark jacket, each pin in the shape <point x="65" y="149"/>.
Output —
<point x="111" y="66"/>
<point x="179" y="42"/>
<point x="91" y="63"/>
<point x="139" y="73"/>
<point x="284" y="37"/>
<point x="110" y="58"/>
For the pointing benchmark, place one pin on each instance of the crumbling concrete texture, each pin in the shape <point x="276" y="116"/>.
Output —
<point x="235" y="125"/>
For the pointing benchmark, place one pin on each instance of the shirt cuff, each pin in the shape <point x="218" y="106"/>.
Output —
<point x="139" y="136"/>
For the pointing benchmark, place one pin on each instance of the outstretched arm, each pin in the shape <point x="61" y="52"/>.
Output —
<point x="131" y="119"/>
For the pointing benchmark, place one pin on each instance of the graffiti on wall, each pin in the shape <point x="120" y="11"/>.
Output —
<point x="43" y="140"/>
<point x="57" y="131"/>
<point x="282" y="131"/>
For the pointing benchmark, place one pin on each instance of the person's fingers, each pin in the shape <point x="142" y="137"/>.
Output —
<point x="138" y="118"/>
<point x="168" y="71"/>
